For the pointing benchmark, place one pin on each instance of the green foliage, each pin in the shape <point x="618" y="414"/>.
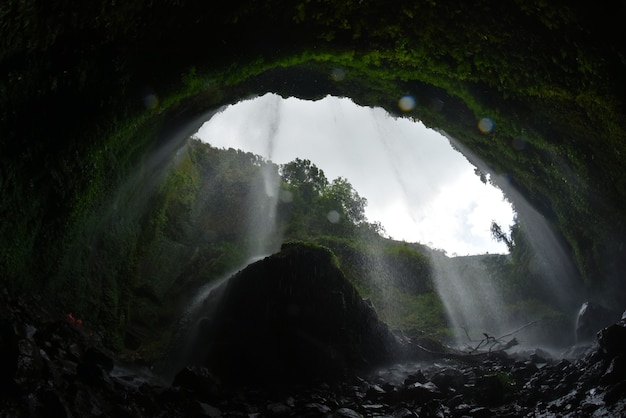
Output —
<point x="423" y="313"/>
<point x="316" y="207"/>
<point x="304" y="175"/>
<point x="341" y="197"/>
<point x="410" y="269"/>
<point x="396" y="278"/>
<point x="83" y="224"/>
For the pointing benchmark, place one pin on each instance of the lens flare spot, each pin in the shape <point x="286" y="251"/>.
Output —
<point x="333" y="217"/>
<point x="338" y="74"/>
<point x="150" y="101"/>
<point x="486" y="125"/>
<point x="285" y="196"/>
<point x="406" y="103"/>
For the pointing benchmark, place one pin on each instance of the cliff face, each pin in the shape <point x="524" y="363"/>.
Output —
<point x="91" y="95"/>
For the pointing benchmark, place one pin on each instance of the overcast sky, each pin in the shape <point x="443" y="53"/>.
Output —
<point x="416" y="185"/>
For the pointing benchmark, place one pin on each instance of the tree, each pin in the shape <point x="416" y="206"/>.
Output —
<point x="499" y="235"/>
<point x="313" y="199"/>
<point x="306" y="176"/>
<point x="342" y="197"/>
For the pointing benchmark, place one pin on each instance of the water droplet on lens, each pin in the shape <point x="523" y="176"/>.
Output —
<point x="406" y="103"/>
<point x="486" y="125"/>
<point x="286" y="196"/>
<point x="150" y="101"/>
<point x="338" y="74"/>
<point x="333" y="216"/>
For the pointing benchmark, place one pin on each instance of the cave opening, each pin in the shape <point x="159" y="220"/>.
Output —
<point x="99" y="180"/>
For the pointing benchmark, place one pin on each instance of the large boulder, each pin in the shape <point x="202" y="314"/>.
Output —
<point x="591" y="319"/>
<point x="293" y="317"/>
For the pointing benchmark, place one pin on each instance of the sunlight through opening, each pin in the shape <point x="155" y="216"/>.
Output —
<point x="416" y="184"/>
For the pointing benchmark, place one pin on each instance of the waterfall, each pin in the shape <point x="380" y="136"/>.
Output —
<point x="472" y="298"/>
<point x="188" y="345"/>
<point x="263" y="235"/>
<point x="262" y="238"/>
<point x="420" y="190"/>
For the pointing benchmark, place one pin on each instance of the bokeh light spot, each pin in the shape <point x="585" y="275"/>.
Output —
<point x="486" y="125"/>
<point x="150" y="101"/>
<point x="333" y="217"/>
<point x="406" y="103"/>
<point x="285" y="196"/>
<point x="338" y="74"/>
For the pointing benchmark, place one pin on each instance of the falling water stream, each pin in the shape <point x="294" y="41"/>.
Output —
<point x="263" y="238"/>
<point x="188" y="342"/>
<point x="473" y="298"/>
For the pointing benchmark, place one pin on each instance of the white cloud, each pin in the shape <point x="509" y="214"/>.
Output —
<point x="416" y="185"/>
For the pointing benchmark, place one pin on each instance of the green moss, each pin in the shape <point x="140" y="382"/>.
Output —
<point x="76" y="135"/>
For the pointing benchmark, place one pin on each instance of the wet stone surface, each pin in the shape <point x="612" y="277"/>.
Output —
<point x="51" y="368"/>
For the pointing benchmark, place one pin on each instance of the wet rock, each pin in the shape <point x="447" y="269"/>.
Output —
<point x="562" y="365"/>
<point x="278" y="410"/>
<point x="65" y="376"/>
<point x="99" y="358"/>
<point x="480" y="412"/>
<point x="540" y="356"/>
<point x="579" y="350"/>
<point x="490" y="390"/>
<point x="403" y="412"/>
<point x="29" y="366"/>
<point x="592" y="373"/>
<point x="456" y="400"/>
<point x="346" y="413"/>
<point x="615" y="393"/>
<point x="591" y="318"/>
<point x="94" y="367"/>
<point x="51" y="404"/>
<point x="462" y="409"/>
<point x="421" y="392"/>
<point x="449" y="378"/>
<point x="298" y="308"/>
<point x="375" y="392"/>
<point x="198" y="380"/>
<point x="374" y="409"/>
<point x="317" y="408"/>
<point x="615" y="372"/>
<point x="92" y="374"/>
<point x="612" y="340"/>
<point x="9" y="353"/>
<point x="434" y="408"/>
<point x="417" y="377"/>
<point x="523" y="370"/>
<point x="207" y="410"/>
<point x="588" y="408"/>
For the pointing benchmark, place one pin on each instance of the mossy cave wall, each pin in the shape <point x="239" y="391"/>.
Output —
<point x="97" y="98"/>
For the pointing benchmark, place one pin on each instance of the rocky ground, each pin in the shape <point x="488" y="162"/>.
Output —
<point x="52" y="367"/>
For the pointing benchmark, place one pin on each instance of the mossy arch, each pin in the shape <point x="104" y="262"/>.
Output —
<point x="90" y="92"/>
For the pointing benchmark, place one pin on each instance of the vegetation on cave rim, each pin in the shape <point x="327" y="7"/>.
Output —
<point x="191" y="231"/>
<point x="555" y="77"/>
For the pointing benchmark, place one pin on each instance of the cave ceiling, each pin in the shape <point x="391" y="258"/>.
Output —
<point x="75" y="83"/>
